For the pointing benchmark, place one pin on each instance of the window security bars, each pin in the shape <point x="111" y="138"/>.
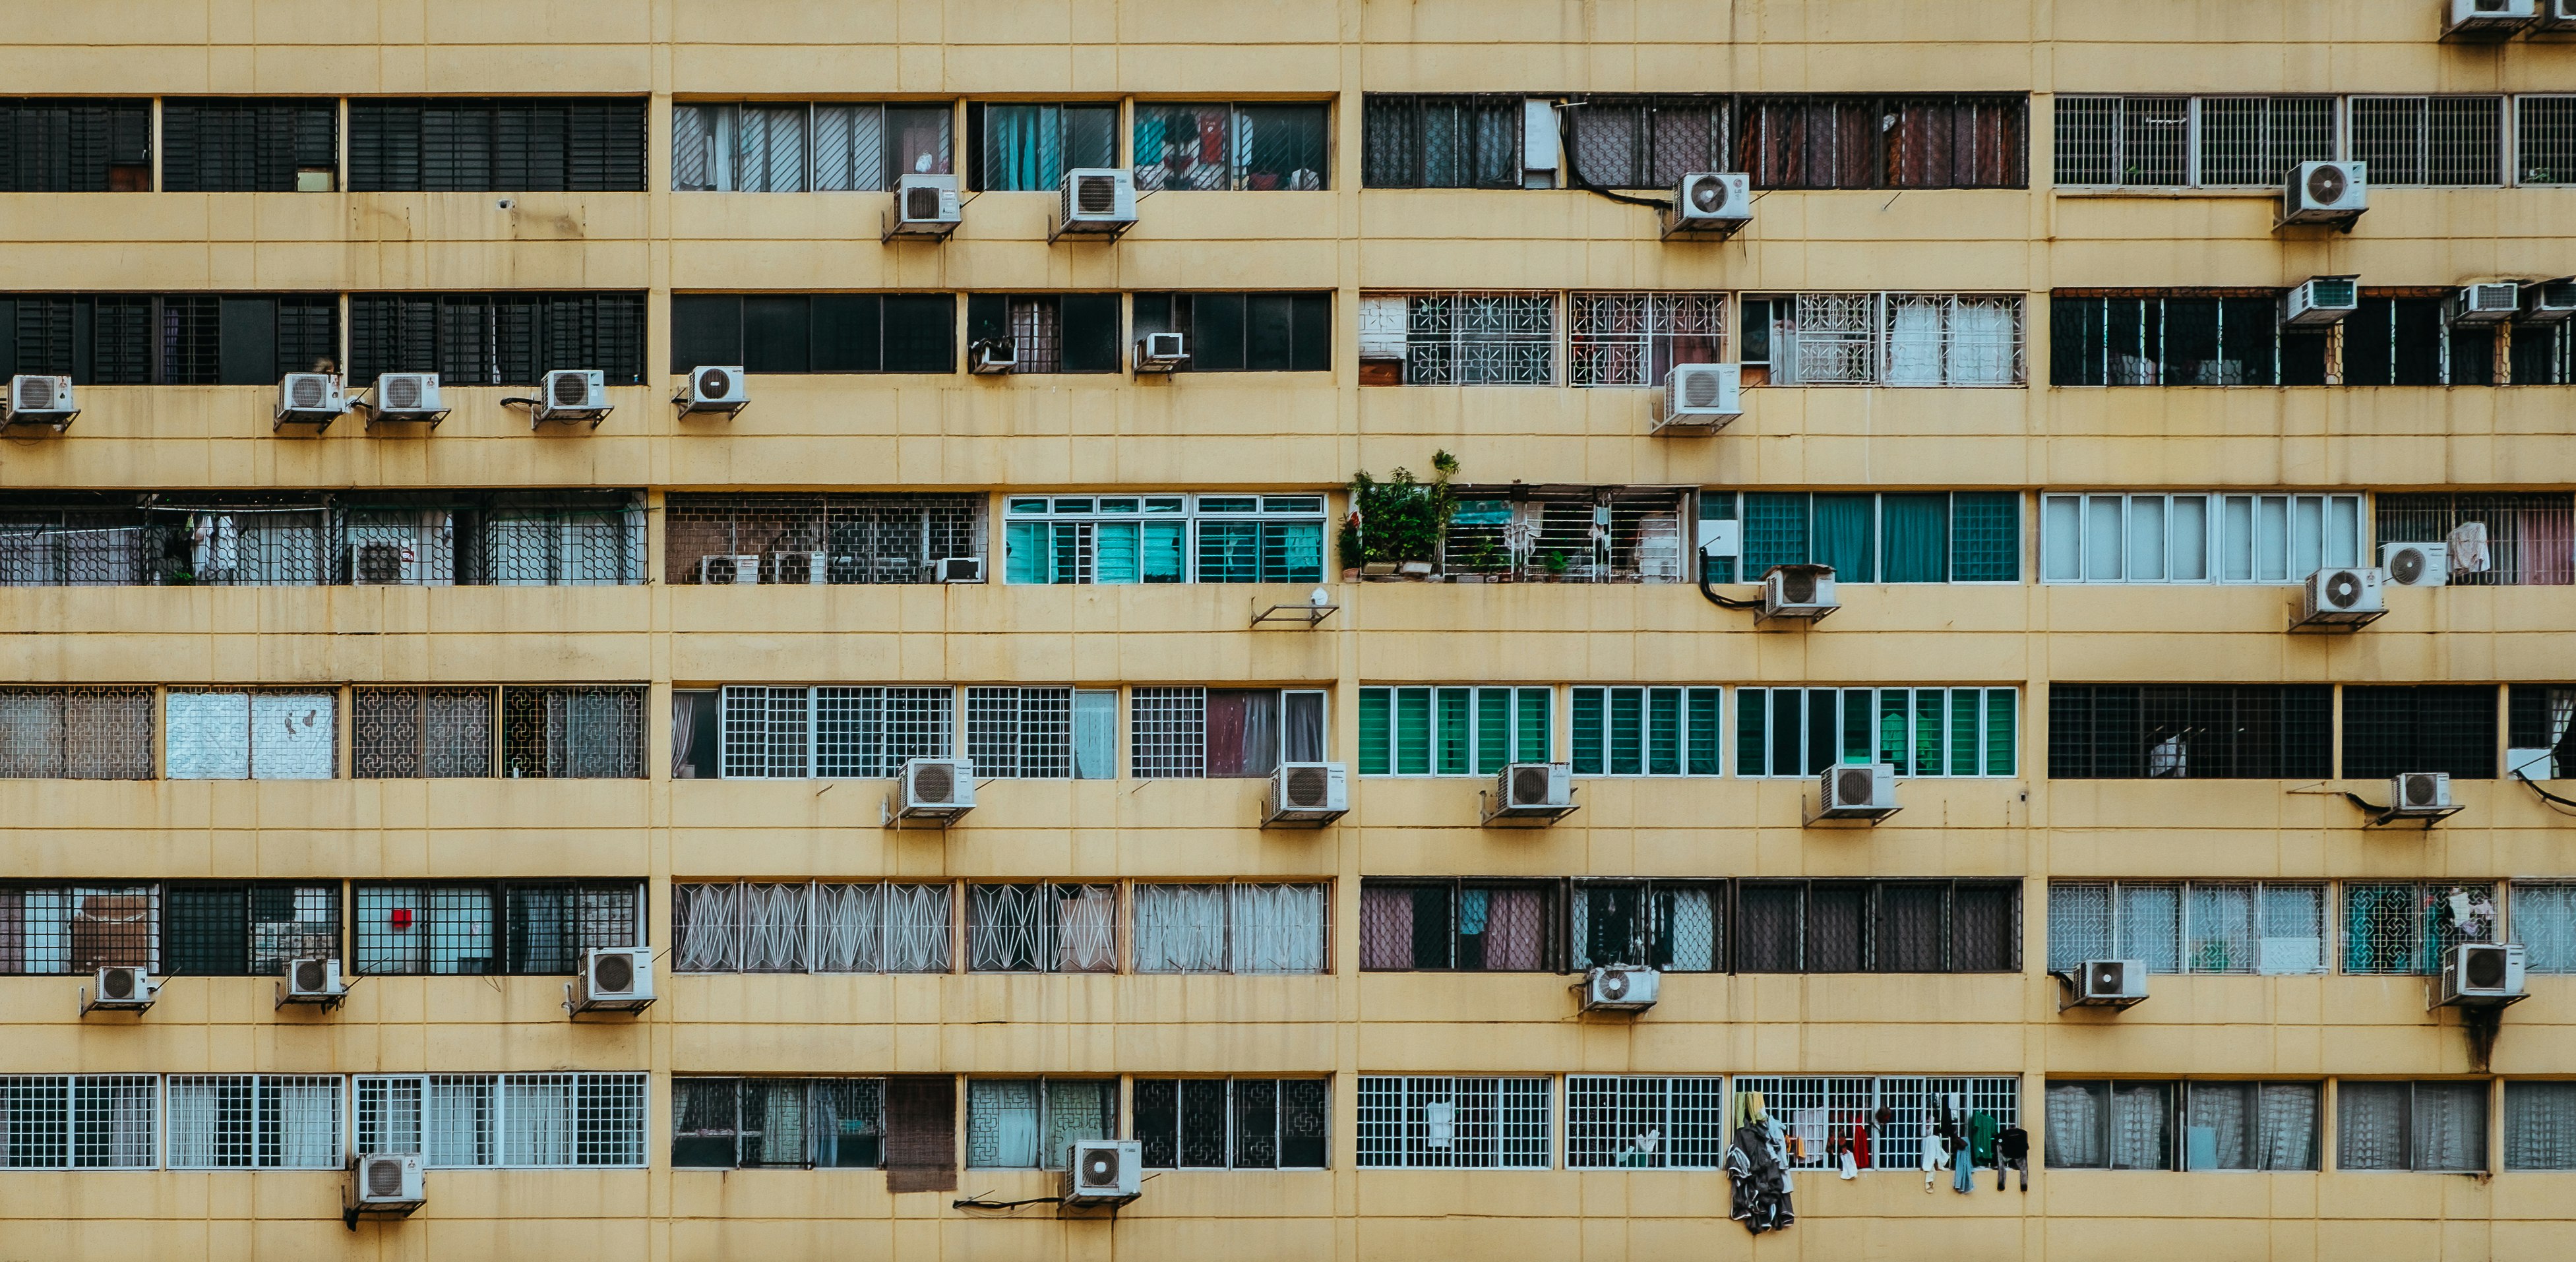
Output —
<point x="1224" y="733"/>
<point x="1242" y="927"/>
<point x="2133" y="1125"/>
<point x="2116" y="538"/>
<point x="481" y="929"/>
<point x="1676" y="926"/>
<point x="73" y="929"/>
<point x="1645" y="731"/>
<point x="800" y="146"/>
<point x="1230" y="1123"/>
<point x="2544" y="921"/>
<point x="1640" y="1123"/>
<point x="573" y="732"/>
<point x="1635" y="339"/>
<point x="778" y="733"/>
<point x="1434" y="1123"/>
<point x="177" y="339"/>
<point x="2392" y="730"/>
<point x="1644" y="142"/>
<point x="1822" y="142"/>
<point x="2540" y="1126"/>
<point x="1567" y="534"/>
<point x="1028" y="147"/>
<point x="2530" y="538"/>
<point x="2190" y="731"/>
<point x="1463" y="338"/>
<point x="509" y="144"/>
<point x="76" y="733"/>
<point x="2544" y="140"/>
<point x="1893" y="339"/>
<point x="1025" y="733"/>
<point x="2189" y="338"/>
<point x="80" y="1122"/>
<point x="821" y="538"/>
<point x="247" y="929"/>
<point x="1897" y="537"/>
<point x="76" y="146"/>
<point x="811" y="927"/>
<point x="461" y="1121"/>
<point x="2411" y="1125"/>
<point x="1452" y="141"/>
<point x="1042" y="928"/>
<point x="1453" y="731"/>
<point x="1166" y="539"/>
<point x="2408" y="927"/>
<point x="1921" y="732"/>
<point x="2452" y="140"/>
<point x="1930" y="926"/>
<point x="1032" y="1123"/>
<point x="2190" y="926"/>
<point x="501" y="339"/>
<point x="1216" y="146"/>
<point x="1470" y="926"/>
<point x="1817" y="1110"/>
<point x="249" y="145"/>
<point x="2254" y="141"/>
<point x="777" y="1123"/>
<point x="254" y="1122"/>
<point x="421" y="733"/>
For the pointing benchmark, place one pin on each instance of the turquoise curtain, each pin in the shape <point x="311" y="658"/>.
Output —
<point x="1115" y="562"/>
<point x="1025" y="552"/>
<point x="1292" y="552"/>
<point x="1023" y="148"/>
<point x="1843" y="537"/>
<point x="1162" y="554"/>
<point x="1917" y="531"/>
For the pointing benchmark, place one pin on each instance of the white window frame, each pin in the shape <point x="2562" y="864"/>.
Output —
<point x="1863" y="346"/>
<point x="2558" y="922"/>
<point x="319" y="1138"/>
<point x="796" y="742"/>
<point x="2216" y="542"/>
<point x="719" y="130"/>
<point x="1497" y="327"/>
<point x="1410" y="1122"/>
<point x="2189" y="951"/>
<point x="1081" y="516"/>
<point x="1646" y="730"/>
<point x="1167" y="728"/>
<point x="105" y="1140"/>
<point x="1511" y="724"/>
<point x="499" y="1138"/>
<point x="1983" y="693"/>
<point x="1629" y="1121"/>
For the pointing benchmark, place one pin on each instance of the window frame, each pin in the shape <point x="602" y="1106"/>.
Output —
<point x="2216" y="549"/>
<point x="2426" y="935"/>
<point x="1234" y="932"/>
<point x="1872" y="912"/>
<point x="1309" y="327"/>
<point x="1233" y="1139"/>
<point x="1193" y="511"/>
<point x="1685" y="717"/>
<point x="174" y="935"/>
<point x="98" y="1124"/>
<point x="697" y="918"/>
<point x="505" y="942"/>
<point x="1436" y="753"/>
<point x="1489" y="334"/>
<point x="1486" y="131"/>
<point x="1894" y="1145"/>
<point x="1873" y="350"/>
<point x="1520" y="1109"/>
<point x="815" y="1109"/>
<point x="264" y="1138"/>
<point x="1238" y="158"/>
<point x="2189" y="953"/>
<point x="1037" y="944"/>
<point x="1650" y="921"/>
<point x="1758" y="704"/>
<point x="1164" y="721"/>
<point x="980" y="142"/>
<point x="105" y="950"/>
<point x="2272" y="726"/>
<point x="1551" y="921"/>
<point x="2346" y="1136"/>
<point x="1960" y="524"/>
<point x="1603" y="358"/>
<point x="1675" y="1108"/>
<point x="1046" y="1122"/>
<point x="490" y="1121"/>
<point x="871" y="707"/>
<point x="57" y="739"/>
<point x="718" y="123"/>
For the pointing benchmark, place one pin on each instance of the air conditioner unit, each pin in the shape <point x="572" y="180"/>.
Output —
<point x="2104" y="984"/>
<point x="1096" y="200"/>
<point x="1308" y="794"/>
<point x="2556" y="16"/>
<point x="1161" y="352"/>
<point x="2489" y="302"/>
<point x="2487" y="19"/>
<point x="2549" y="301"/>
<point x="2326" y="192"/>
<point x="2416" y="564"/>
<point x="1619" y="988"/>
<point x="312" y="979"/>
<point x="612" y="979"/>
<point x="405" y="396"/>
<point x="2320" y="300"/>
<point x="808" y="568"/>
<point x="714" y="388"/>
<point x="992" y="357"/>
<point x="2420" y="795"/>
<point x="1102" y="1173"/>
<point x="122" y="988"/>
<point x="45" y="401"/>
<point x="1865" y="790"/>
<point x="310" y="399"/>
<point x="1710" y="203"/>
<point x="2341" y="598"/>
<point x="940" y="790"/>
<point x="381" y="1184"/>
<point x="1700" y="398"/>
<point x="573" y="394"/>
<point x="2480" y="975"/>
<point x="1531" y="792"/>
<point x="958" y="569"/>
<point x="726" y="570"/>
<point x="1804" y="592"/>
<point x="924" y="206"/>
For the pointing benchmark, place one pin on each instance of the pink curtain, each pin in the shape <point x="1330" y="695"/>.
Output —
<point x="1386" y="928"/>
<point x="1515" y="931"/>
<point x="2547" y="542"/>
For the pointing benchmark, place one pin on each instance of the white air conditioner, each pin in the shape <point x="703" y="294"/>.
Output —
<point x="2488" y="302"/>
<point x="2556" y="16"/>
<point x="2104" y="984"/>
<point x="2320" y="300"/>
<point x="2487" y="19"/>
<point x="937" y="789"/>
<point x="728" y="570"/>
<point x="405" y="396"/>
<point x="714" y="388"/>
<point x="1161" y="352"/>
<point x="382" y="1184"/>
<point x="1862" y="790"/>
<point x="1804" y="592"/>
<point x="1096" y="200"/>
<point x="612" y="979"/>
<point x="1308" y="794"/>
<point x="1531" y="792"/>
<point x="1710" y="203"/>
<point x="2416" y="564"/>
<point x="992" y="357"/>
<point x="2480" y="975"/>
<point x="1619" y="988"/>
<point x="809" y="568"/>
<point x="573" y="394"/>
<point x="2340" y="597"/>
<point x="312" y="979"/>
<point x="309" y="399"/>
<point x="2420" y="795"/>
<point x="122" y="988"/>
<point x="1700" y="398"/>
<point x="2326" y="192"/>
<point x="45" y="401"/>
<point x="2548" y="301"/>
<point x="958" y="569"/>
<point x="924" y="206"/>
<point x="1102" y="1173"/>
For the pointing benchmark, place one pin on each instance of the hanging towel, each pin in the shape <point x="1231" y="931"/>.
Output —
<point x="1860" y="1142"/>
<point x="1962" y="1172"/>
<point x="1850" y="1167"/>
<point x="1981" y="1137"/>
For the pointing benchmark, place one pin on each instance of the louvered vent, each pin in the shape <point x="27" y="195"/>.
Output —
<point x="1096" y="194"/>
<point x="384" y="1178"/>
<point x="1308" y="787"/>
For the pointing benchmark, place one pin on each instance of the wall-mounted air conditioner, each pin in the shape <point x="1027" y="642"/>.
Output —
<point x="312" y="979"/>
<point x="713" y="388"/>
<point x="1306" y="795"/>
<point x="381" y="1185"/>
<point x="1700" y="398"/>
<point x="1161" y="352"/>
<point x="2340" y="599"/>
<point x="958" y="569"/>
<point x="612" y="979"/>
<point x="2488" y="19"/>
<point x="1798" y="593"/>
<point x="729" y="569"/>
<point x="1095" y="201"/>
<point x="2416" y="564"/>
<point x="1710" y="204"/>
<point x="2320" y="300"/>
<point x="120" y="988"/>
<point x="2103" y="984"/>
<point x="1619" y="988"/>
<point x="308" y="401"/>
<point x="2326" y="192"/>
<point x="2488" y="302"/>
<point x="2420" y="795"/>
<point x="38" y="403"/>
<point x="1865" y="790"/>
<point x="992" y="357"/>
<point x="1101" y="1174"/>
<point x="569" y="395"/>
<point x="2480" y="975"/>
<point x="2548" y="301"/>
<point x="1526" y="793"/>
<point x="935" y="790"/>
<point x="924" y="206"/>
<point x="404" y="397"/>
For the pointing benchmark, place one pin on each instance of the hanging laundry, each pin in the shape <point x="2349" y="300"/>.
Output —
<point x="2012" y="1152"/>
<point x="1860" y="1143"/>
<point x="1760" y="1181"/>
<point x="1850" y="1165"/>
<point x="1981" y="1137"/>
<point x="1963" y="1177"/>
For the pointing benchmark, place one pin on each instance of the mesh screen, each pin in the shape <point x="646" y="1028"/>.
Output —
<point x="76" y="733"/>
<point x="305" y="539"/>
<point x="1020" y="733"/>
<point x="573" y="731"/>
<point x="2526" y="535"/>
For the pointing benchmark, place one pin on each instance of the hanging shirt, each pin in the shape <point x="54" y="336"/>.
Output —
<point x="1981" y="1137"/>
<point x="2014" y="1143"/>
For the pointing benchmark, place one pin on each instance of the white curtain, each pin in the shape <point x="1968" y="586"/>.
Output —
<point x="1180" y="928"/>
<point x="128" y="1113"/>
<point x="2223" y="1110"/>
<point x="1985" y="340"/>
<point x="694" y="161"/>
<point x="2290" y="1112"/>
<point x="308" y="1112"/>
<point x="209" y="735"/>
<point x="537" y="1120"/>
<point x="1278" y="929"/>
<point x="848" y="928"/>
<point x="1087" y="929"/>
<point x="917" y="933"/>
<point x="1913" y="340"/>
<point x="293" y="735"/>
<point x="2544" y="921"/>
<point x="2370" y="1125"/>
<point x="389" y="1115"/>
<point x="2294" y="918"/>
<point x="2540" y="1126"/>
<point x="2151" y="926"/>
<point x="2074" y="1136"/>
<point x="1002" y="1122"/>
<point x="194" y="1145"/>
<point x="2141" y="1114"/>
<point x="461" y="1119"/>
<point x="773" y="922"/>
<point x="2450" y="1126"/>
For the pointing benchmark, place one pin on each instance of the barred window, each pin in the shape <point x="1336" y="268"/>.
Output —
<point x="833" y="732"/>
<point x="1042" y="733"/>
<point x="1820" y="142"/>
<point x="2190" y="731"/>
<point x="255" y="1121"/>
<point x="573" y="731"/>
<point x="1181" y="147"/>
<point x="80" y="1121"/>
<point x="800" y="146"/>
<point x="236" y="929"/>
<point x="2540" y="1125"/>
<point x="1223" y="733"/>
<point x="811" y="927"/>
<point x="2544" y="922"/>
<point x="492" y="928"/>
<point x="1904" y="537"/>
<point x="180" y="339"/>
<point x="2544" y="140"/>
<point x="1674" y="926"/>
<point x="75" y="146"/>
<point x="2402" y="338"/>
<point x="2408" y="926"/>
<point x="76" y="733"/>
<point x="2455" y="140"/>
<point x="420" y="733"/>
<point x="1041" y="928"/>
<point x="1645" y="141"/>
<point x="252" y="735"/>
<point x="1454" y="731"/>
<point x="522" y="1121"/>
<point x="1238" y="927"/>
<point x="2132" y="1125"/>
<point x="503" y="144"/>
<point x="1895" y="339"/>
<point x="2394" y="730"/>
<point x="2184" y="141"/>
<point x="856" y="537"/>
<point x="2266" y="927"/>
<point x="73" y="929"/>
<point x="1820" y="1110"/>
<point x="1469" y="926"/>
<point x="1427" y="1123"/>
<point x="1027" y="148"/>
<point x="2525" y="536"/>
<point x="1253" y="331"/>
<point x="2433" y="1125"/>
<point x="1931" y="926"/>
<point x="815" y="333"/>
<point x="777" y="1123"/>
<point x="1463" y="338"/>
<point x="1566" y="534"/>
<point x="250" y="144"/>
<point x="1635" y="339"/>
<point x="1643" y="1123"/>
<point x="2116" y="538"/>
<point x="1049" y="333"/>
<point x="1032" y="1123"/>
<point x="2199" y="338"/>
<point x="565" y="546"/>
<point x="1165" y="539"/>
<point x="498" y="339"/>
<point x="1230" y="1123"/>
<point x="1645" y="731"/>
<point x="1921" y="732"/>
<point x="1450" y="141"/>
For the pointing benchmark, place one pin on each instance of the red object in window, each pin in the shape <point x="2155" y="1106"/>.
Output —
<point x="402" y="918"/>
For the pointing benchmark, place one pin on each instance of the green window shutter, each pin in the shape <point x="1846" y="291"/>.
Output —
<point x="1493" y="729"/>
<point x="1775" y="531"/>
<point x="1376" y="750"/>
<point x="1586" y="714"/>
<point x="1413" y="731"/>
<point x="1703" y="737"/>
<point x="1999" y="732"/>
<point x="1916" y="537"/>
<point x="1844" y="536"/>
<point x="1985" y="537"/>
<point x="1454" y="742"/>
<point x="1627" y="737"/>
<point x="1025" y="551"/>
<point x="1928" y="760"/>
<point x="1752" y="737"/>
<point x="1664" y="732"/>
<point x="1963" y="732"/>
<point x="1532" y="727"/>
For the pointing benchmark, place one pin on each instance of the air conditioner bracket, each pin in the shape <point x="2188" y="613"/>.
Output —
<point x="1531" y="817"/>
<point x="1817" y="820"/>
<point x="1301" y="615"/>
<point x="327" y="1003"/>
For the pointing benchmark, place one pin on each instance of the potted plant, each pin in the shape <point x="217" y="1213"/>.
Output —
<point x="1396" y="525"/>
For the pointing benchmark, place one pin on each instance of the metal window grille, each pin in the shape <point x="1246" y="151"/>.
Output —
<point x="247" y="929"/>
<point x="2391" y="730"/>
<point x="573" y="731"/>
<point x="420" y="733"/>
<point x="74" y="929"/>
<point x="2446" y="140"/>
<point x="815" y="927"/>
<point x="860" y="537"/>
<point x="1831" y="339"/>
<point x="251" y="735"/>
<point x="1030" y="1123"/>
<point x="454" y="1121"/>
<point x="1676" y="926"/>
<point x="2190" y="731"/>
<point x="2544" y="921"/>
<point x="2201" y="142"/>
<point x="80" y="1121"/>
<point x="1567" y="534"/>
<point x="1242" y="927"/>
<point x="2194" y="927"/>
<point x="1952" y="340"/>
<point x="1823" y="1111"/>
<point x="1471" y="926"/>
<point x="1645" y="1123"/>
<point x="1646" y="141"/>
<point x="1229" y="1123"/>
<point x="777" y="1123"/>
<point x="2526" y="534"/>
<point x="1438" y="1123"/>
<point x="1020" y="733"/>
<point x="1635" y="339"/>
<point x="504" y="928"/>
<point x="2407" y="927"/>
<point x="2255" y="141"/>
<point x="1453" y="141"/>
<point x="2540" y="1125"/>
<point x="1165" y="539"/>
<point x="76" y="733"/>
<point x="1042" y="928"/>
<point x="1167" y="733"/>
<point x="2544" y="139"/>
<point x="254" y="1121"/>
<point x="1921" y="732"/>
<point x="1927" y="926"/>
<point x="1476" y="338"/>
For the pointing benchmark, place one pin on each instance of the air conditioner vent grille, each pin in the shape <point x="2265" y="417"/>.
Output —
<point x="384" y="1178"/>
<point x="402" y="393"/>
<point x="921" y="203"/>
<point x="1307" y="787"/>
<point x="117" y="984"/>
<point x="1096" y="194"/>
<point x="571" y="390"/>
<point x="307" y="392"/>
<point x="613" y="974"/>
<point x="1529" y="784"/>
<point x="934" y="782"/>
<point x="311" y="975"/>
<point x="35" y="394"/>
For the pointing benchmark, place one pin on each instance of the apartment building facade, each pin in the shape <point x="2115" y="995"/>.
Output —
<point x="985" y="724"/>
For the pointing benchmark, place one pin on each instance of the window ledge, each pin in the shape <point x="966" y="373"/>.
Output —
<point x="2173" y="194"/>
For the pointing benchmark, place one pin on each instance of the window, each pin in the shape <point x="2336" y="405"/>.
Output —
<point x="1223" y="733"/>
<point x="1028" y="148"/>
<point x="773" y="733"/>
<point x="505" y="339"/>
<point x="1230" y="1123"/>
<point x="1635" y="339"/>
<point x="1455" y="141"/>
<point x="815" y="333"/>
<point x="75" y="146"/>
<point x="1458" y="339"/>
<point x="1241" y="927"/>
<point x="1041" y="928"/>
<point x="1640" y="1123"/>
<point x="811" y="927"/>
<point x="1471" y="926"/>
<point x="2540" y="1126"/>
<point x="2544" y="140"/>
<point x="582" y="544"/>
<point x="1816" y="142"/>
<point x="2190" y="926"/>
<point x="1216" y="146"/>
<point x="1454" y="731"/>
<point x="2116" y="538"/>
<point x="2456" y="140"/>
<point x="1899" y="537"/>
<point x="2540" y="355"/>
<point x="76" y="733"/>
<point x="488" y="928"/>
<point x="1455" y="1123"/>
<point x="2400" y="338"/>
<point x="1821" y="1111"/>
<point x="921" y="1133"/>
<point x="777" y="1123"/>
<point x="248" y="929"/>
<point x="573" y="731"/>
<point x="253" y="735"/>
<point x="461" y="1121"/>
<point x="2129" y="1125"/>
<point x="1566" y="534"/>
<point x="80" y="1121"/>
<point x="861" y="537"/>
<point x="2529" y="538"/>
<point x="1042" y="733"/>
<point x="1032" y="1123"/>
<point x="1645" y="731"/>
<point x="2411" y="1126"/>
<point x="2194" y="142"/>
<point x="2389" y="731"/>
<point x="1645" y="141"/>
<point x="2544" y="922"/>
<point x="255" y="1121"/>
<point x="2408" y="927"/>
<point x="250" y="145"/>
<point x="1674" y="926"/>
<point x="1165" y="539"/>
<point x="1919" y="731"/>
<point x="1244" y="332"/>
<point x="421" y="733"/>
<point x="169" y="339"/>
<point x="800" y="146"/>
<point x="2190" y="731"/>
<point x="2200" y="338"/>
<point x="470" y="145"/>
<point x="1047" y="333"/>
<point x="1877" y="926"/>
<point x="73" y="929"/>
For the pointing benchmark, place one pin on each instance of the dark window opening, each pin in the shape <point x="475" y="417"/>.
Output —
<point x="475" y="145"/>
<point x="1441" y="141"/>
<point x="1048" y="333"/>
<point x="1028" y="148"/>
<point x="1468" y="926"/>
<point x="75" y="146"/>
<point x="169" y="339"/>
<point x="237" y="930"/>
<point x="2188" y="731"/>
<point x="491" y="928"/>
<point x="2178" y="341"/>
<point x="2389" y="731"/>
<point x="506" y="339"/>
<point x="1930" y="926"/>
<point x="1827" y="142"/>
<point x="815" y="333"/>
<point x="1248" y="332"/>
<point x="250" y="146"/>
